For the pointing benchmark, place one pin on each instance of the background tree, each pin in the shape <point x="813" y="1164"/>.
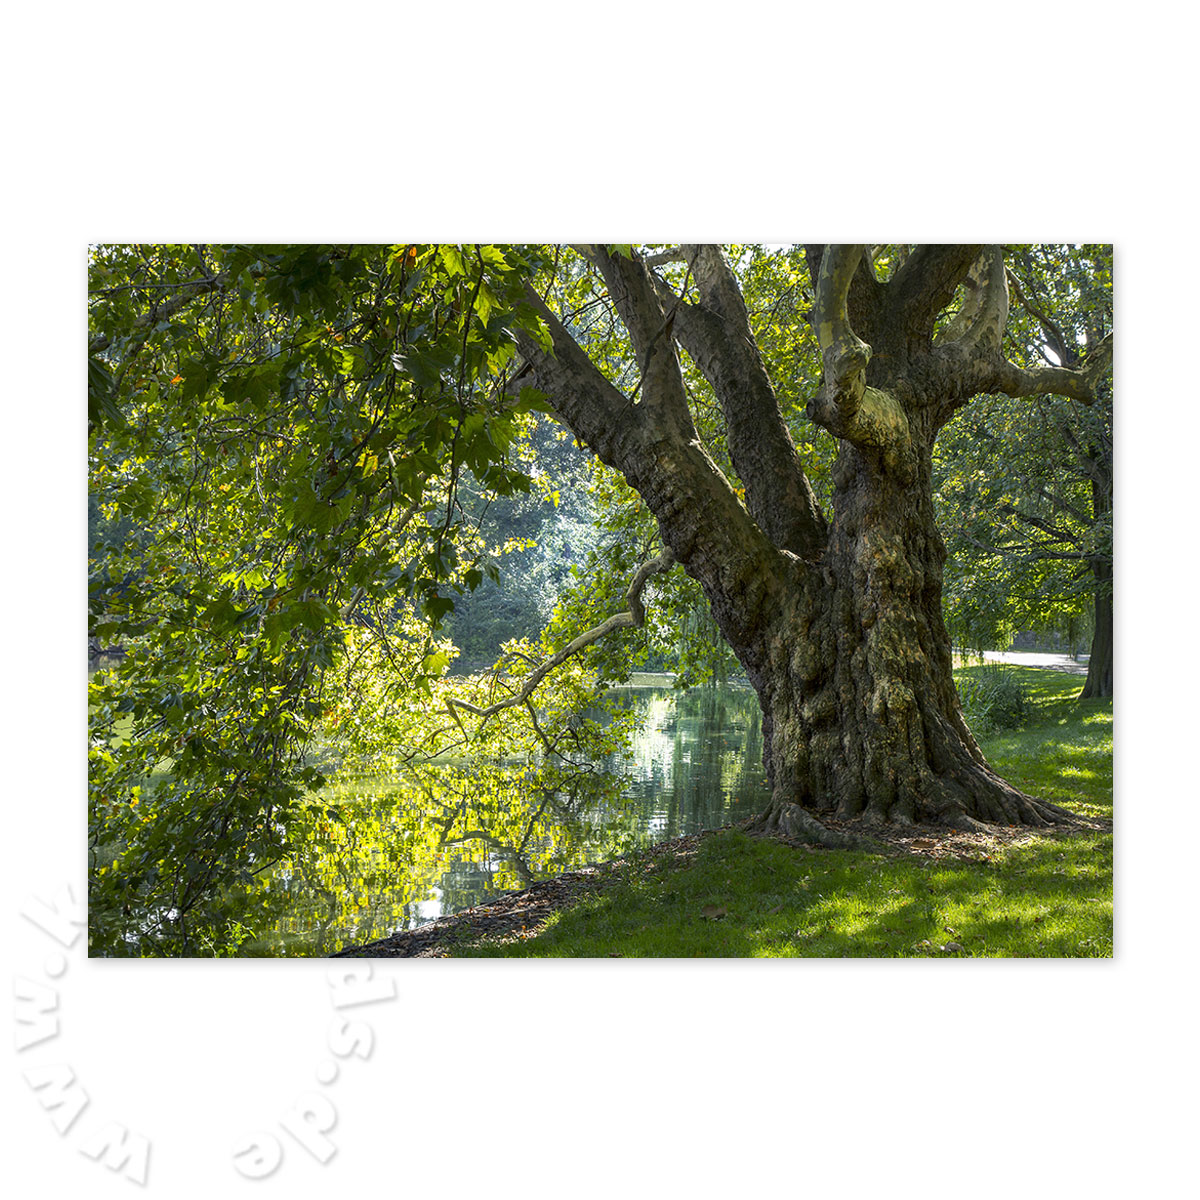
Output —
<point x="1028" y="484"/>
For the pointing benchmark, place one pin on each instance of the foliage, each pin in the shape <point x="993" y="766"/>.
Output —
<point x="542" y="534"/>
<point x="287" y="428"/>
<point x="1025" y="486"/>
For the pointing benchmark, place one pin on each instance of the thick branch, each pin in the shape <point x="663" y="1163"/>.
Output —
<point x="844" y="355"/>
<point x="866" y="416"/>
<point x="926" y="283"/>
<point x="633" y="616"/>
<point x="632" y="289"/>
<point x="1044" y="381"/>
<point x="700" y="517"/>
<point x="978" y="327"/>
<point x="717" y="336"/>
<point x="595" y="411"/>
<point x="974" y="354"/>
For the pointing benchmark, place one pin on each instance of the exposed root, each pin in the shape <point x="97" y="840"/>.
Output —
<point x="792" y="821"/>
<point x="795" y="823"/>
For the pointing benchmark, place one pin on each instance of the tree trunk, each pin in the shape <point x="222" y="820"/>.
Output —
<point x="861" y="716"/>
<point x="1099" y="682"/>
<point x="838" y="623"/>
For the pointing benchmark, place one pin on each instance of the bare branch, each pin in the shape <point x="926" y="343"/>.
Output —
<point x="633" y="615"/>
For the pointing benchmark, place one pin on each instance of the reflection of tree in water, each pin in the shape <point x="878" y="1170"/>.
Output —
<point x="450" y="839"/>
<point x="699" y="758"/>
<point x="451" y="836"/>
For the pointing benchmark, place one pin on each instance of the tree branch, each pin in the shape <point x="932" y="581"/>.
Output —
<point x="978" y="327"/>
<point x="1058" y="343"/>
<point x="866" y="416"/>
<point x="700" y="517"/>
<point x="632" y="289"/>
<point x="844" y="355"/>
<point x="678" y="254"/>
<point x="633" y="616"/>
<point x="926" y="282"/>
<point x="717" y="336"/>
<point x="166" y="307"/>
<point x="595" y="411"/>
<point x="1055" y="533"/>
<point x="1043" y="381"/>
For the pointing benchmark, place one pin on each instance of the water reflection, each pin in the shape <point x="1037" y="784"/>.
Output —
<point x="403" y="850"/>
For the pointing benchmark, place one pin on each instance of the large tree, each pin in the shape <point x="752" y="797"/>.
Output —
<point x="835" y="616"/>
<point x="281" y="439"/>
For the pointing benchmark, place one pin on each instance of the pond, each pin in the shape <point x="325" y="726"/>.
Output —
<point x="409" y="848"/>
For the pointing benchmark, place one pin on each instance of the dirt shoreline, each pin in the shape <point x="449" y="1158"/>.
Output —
<point x="515" y="915"/>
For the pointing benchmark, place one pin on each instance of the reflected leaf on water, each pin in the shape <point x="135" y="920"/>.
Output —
<point x="438" y="839"/>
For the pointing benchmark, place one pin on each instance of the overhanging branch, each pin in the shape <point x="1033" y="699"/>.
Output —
<point x="632" y="616"/>
<point x="166" y="307"/>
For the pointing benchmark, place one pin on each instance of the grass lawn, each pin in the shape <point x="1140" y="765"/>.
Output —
<point x="742" y="896"/>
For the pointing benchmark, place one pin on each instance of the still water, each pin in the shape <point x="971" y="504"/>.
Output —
<point x="417" y="846"/>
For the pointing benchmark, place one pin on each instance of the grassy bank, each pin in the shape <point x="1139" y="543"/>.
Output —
<point x="733" y="895"/>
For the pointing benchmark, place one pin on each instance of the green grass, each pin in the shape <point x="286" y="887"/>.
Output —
<point x="1050" y="896"/>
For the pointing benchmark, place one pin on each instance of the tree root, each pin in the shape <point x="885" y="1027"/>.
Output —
<point x="792" y="821"/>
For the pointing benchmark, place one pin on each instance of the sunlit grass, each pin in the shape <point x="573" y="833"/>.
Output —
<point x="741" y="896"/>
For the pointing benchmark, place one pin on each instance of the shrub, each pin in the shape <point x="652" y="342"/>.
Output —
<point x="992" y="698"/>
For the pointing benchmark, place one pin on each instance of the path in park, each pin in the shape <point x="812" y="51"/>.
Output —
<point x="1029" y="658"/>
